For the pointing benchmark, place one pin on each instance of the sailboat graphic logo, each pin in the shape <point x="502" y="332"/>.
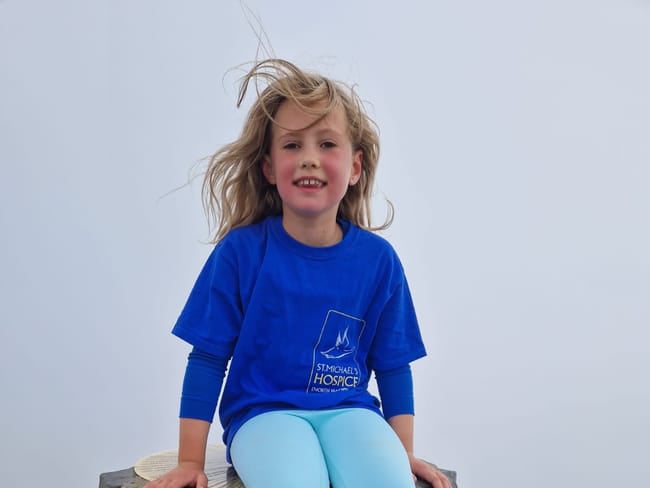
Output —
<point x="334" y="365"/>
<point x="341" y="347"/>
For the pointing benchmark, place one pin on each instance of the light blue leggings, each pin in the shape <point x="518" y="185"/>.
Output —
<point x="349" y="448"/>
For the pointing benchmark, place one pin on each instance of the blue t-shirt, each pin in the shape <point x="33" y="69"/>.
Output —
<point x="304" y="326"/>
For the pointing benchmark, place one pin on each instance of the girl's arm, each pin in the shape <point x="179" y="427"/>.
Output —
<point x="203" y="378"/>
<point x="403" y="427"/>
<point x="193" y="439"/>
<point x="396" y="392"/>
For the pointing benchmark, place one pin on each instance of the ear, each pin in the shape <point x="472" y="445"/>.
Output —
<point x="267" y="169"/>
<point x="357" y="166"/>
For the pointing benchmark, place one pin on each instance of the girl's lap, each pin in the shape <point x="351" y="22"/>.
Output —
<point x="351" y="447"/>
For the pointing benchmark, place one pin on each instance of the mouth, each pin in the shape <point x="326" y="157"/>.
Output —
<point x="309" y="183"/>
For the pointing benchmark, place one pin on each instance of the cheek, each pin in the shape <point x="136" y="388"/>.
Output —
<point x="279" y="164"/>
<point x="284" y="170"/>
<point x="337" y="167"/>
<point x="284" y="173"/>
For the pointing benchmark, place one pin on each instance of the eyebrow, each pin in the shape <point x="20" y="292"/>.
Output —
<point x="298" y="133"/>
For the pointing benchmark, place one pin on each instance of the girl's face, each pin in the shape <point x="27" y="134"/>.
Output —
<point x="312" y="167"/>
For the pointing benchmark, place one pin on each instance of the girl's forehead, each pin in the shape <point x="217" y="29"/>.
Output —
<point x="290" y="117"/>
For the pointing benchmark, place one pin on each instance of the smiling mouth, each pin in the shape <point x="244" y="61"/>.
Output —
<point x="309" y="183"/>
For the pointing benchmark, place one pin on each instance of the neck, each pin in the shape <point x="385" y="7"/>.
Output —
<point x="313" y="233"/>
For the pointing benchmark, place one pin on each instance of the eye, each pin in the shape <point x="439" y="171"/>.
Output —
<point x="328" y="144"/>
<point x="290" y="145"/>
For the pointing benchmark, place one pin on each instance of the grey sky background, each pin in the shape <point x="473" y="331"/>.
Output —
<point x="516" y="151"/>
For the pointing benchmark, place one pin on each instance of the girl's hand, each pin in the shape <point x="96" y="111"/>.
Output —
<point x="428" y="473"/>
<point x="185" y="474"/>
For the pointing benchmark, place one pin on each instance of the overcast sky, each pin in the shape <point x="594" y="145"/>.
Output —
<point x="515" y="148"/>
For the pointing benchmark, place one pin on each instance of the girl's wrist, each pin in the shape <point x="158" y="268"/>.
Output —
<point x="191" y="463"/>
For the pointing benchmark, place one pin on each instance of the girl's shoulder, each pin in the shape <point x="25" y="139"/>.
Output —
<point x="371" y="241"/>
<point x="374" y="251"/>
<point x="245" y="239"/>
<point x="247" y="232"/>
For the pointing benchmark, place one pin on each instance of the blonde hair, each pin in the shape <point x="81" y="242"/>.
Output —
<point x="235" y="191"/>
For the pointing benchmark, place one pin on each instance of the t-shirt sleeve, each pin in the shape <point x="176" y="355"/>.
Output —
<point x="212" y="315"/>
<point x="398" y="340"/>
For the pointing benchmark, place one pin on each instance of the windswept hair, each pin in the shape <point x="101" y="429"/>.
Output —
<point x="235" y="191"/>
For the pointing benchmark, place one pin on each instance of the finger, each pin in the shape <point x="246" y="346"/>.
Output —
<point x="448" y="482"/>
<point x="202" y="481"/>
<point x="444" y="481"/>
<point x="432" y="477"/>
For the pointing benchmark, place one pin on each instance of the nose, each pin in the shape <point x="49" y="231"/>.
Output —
<point x="309" y="162"/>
<point x="309" y="156"/>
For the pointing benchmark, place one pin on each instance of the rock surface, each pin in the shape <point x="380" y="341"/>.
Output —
<point x="127" y="478"/>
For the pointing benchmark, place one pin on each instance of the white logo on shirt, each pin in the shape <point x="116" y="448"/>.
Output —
<point x="341" y="348"/>
<point x="334" y="363"/>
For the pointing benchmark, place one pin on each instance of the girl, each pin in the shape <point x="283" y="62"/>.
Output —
<point x="303" y="300"/>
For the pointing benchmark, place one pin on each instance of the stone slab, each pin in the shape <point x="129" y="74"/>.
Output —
<point x="127" y="478"/>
